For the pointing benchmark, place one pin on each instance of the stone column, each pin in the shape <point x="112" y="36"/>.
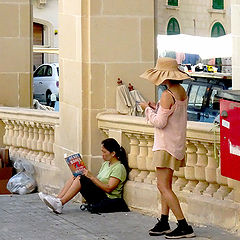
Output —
<point x="141" y="159"/>
<point x="189" y="169"/>
<point x="200" y="168"/>
<point x="108" y="41"/>
<point x="132" y="156"/>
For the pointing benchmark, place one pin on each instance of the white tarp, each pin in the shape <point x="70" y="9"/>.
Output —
<point x="205" y="47"/>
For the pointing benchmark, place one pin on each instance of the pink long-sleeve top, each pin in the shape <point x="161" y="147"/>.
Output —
<point x="169" y="128"/>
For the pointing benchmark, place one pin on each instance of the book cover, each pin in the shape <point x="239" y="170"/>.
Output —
<point x="75" y="164"/>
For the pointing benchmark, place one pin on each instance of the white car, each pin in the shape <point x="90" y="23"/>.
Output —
<point x="46" y="83"/>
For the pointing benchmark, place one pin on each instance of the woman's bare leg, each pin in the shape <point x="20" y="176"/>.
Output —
<point x="165" y="208"/>
<point x="66" y="187"/>
<point x="71" y="191"/>
<point x="169" y="199"/>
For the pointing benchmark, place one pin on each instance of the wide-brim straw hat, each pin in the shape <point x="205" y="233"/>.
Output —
<point x="165" y="69"/>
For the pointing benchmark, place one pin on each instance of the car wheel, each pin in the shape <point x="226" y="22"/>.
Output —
<point x="48" y="98"/>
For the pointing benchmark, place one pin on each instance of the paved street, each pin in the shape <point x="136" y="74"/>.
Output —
<point x="25" y="217"/>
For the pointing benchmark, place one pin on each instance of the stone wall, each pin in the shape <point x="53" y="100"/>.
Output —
<point x="15" y="49"/>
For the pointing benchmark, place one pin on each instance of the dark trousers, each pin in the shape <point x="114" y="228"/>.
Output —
<point x="90" y="191"/>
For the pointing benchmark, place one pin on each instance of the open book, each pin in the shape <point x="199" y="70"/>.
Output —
<point x="75" y="163"/>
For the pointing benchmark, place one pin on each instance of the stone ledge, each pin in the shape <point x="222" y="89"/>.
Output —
<point x="198" y="209"/>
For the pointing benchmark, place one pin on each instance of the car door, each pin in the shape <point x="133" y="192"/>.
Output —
<point x="42" y="80"/>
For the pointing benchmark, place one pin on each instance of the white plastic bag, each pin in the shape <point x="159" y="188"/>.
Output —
<point x="22" y="182"/>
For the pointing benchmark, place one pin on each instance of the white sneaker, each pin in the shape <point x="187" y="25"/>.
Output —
<point x="42" y="196"/>
<point x="54" y="203"/>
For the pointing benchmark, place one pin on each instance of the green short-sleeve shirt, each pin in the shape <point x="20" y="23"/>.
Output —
<point x="116" y="170"/>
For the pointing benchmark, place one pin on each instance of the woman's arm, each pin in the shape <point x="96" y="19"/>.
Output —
<point x="112" y="183"/>
<point x="159" y="119"/>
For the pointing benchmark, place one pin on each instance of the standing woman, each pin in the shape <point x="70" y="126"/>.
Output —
<point x="169" y="118"/>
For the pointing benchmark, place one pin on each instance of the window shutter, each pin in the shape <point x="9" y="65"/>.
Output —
<point x="173" y="2"/>
<point x="218" y="4"/>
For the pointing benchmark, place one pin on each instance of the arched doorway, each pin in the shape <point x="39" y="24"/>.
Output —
<point x="38" y="39"/>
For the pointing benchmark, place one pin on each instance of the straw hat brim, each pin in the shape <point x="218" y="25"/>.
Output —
<point x="157" y="76"/>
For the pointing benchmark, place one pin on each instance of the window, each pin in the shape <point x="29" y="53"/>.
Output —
<point x="173" y="27"/>
<point x="217" y="30"/>
<point x="196" y="96"/>
<point x="218" y="4"/>
<point x="40" y="72"/>
<point x="49" y="71"/>
<point x="173" y="2"/>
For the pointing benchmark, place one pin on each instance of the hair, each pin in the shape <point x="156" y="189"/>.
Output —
<point x="176" y="81"/>
<point x="112" y="146"/>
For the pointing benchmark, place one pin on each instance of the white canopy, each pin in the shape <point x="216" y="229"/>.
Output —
<point x="205" y="47"/>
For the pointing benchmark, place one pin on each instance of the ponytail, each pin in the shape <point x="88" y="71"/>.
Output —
<point x="112" y="146"/>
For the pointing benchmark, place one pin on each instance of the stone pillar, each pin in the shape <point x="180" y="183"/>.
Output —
<point x="16" y="52"/>
<point x="99" y="42"/>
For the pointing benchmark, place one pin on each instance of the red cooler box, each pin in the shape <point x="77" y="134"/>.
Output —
<point x="230" y="133"/>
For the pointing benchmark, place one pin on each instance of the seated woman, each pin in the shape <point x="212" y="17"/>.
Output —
<point x="103" y="190"/>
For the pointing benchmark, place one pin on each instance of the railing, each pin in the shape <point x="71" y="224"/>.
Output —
<point x="201" y="176"/>
<point x="29" y="134"/>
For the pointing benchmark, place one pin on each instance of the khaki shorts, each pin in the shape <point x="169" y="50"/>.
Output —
<point x="163" y="159"/>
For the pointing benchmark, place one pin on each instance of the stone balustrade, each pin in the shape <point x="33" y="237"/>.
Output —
<point x="200" y="182"/>
<point x="29" y="134"/>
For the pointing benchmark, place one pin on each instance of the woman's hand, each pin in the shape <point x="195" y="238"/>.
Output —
<point x="87" y="173"/>
<point x="147" y="104"/>
<point x="152" y="105"/>
<point x="143" y="105"/>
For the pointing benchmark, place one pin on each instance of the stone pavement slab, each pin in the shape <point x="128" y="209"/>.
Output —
<point x="25" y="217"/>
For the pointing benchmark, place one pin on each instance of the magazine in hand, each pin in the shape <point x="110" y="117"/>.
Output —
<point x="75" y="164"/>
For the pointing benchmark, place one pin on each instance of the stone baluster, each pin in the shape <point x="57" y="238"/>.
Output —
<point x="50" y="145"/>
<point x="151" y="177"/>
<point x="24" y="140"/>
<point x="180" y="181"/>
<point x="9" y="138"/>
<point x="6" y="134"/>
<point x="200" y="168"/>
<point x="223" y="190"/>
<point x="29" y="140"/>
<point x="45" y="143"/>
<point x="234" y="186"/>
<point x="189" y="169"/>
<point x="210" y="171"/>
<point x="41" y="136"/>
<point x="14" y="149"/>
<point x="20" y="138"/>
<point x="141" y="159"/>
<point x="34" y="141"/>
<point x="132" y="156"/>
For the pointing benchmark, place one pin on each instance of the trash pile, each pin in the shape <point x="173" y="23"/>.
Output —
<point x="23" y="182"/>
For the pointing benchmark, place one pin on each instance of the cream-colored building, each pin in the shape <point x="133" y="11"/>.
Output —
<point x="198" y="18"/>
<point x="99" y="41"/>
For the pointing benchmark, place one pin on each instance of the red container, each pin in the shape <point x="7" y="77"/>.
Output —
<point x="230" y="138"/>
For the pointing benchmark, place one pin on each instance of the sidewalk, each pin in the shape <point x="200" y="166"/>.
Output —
<point x="25" y="217"/>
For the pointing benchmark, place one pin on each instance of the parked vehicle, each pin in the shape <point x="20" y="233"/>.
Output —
<point x="203" y="104"/>
<point x="46" y="83"/>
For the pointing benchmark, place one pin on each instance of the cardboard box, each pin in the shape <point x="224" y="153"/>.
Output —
<point x="5" y="175"/>
<point x="4" y="156"/>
